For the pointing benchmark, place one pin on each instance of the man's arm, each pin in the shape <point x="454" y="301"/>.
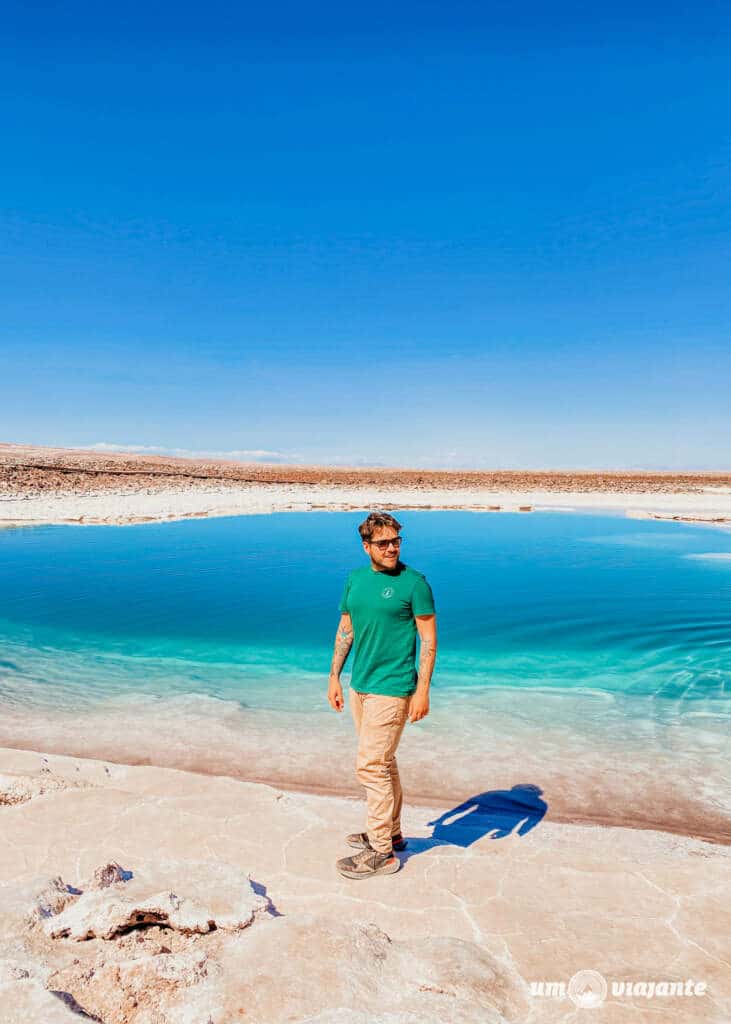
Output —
<point x="343" y="643"/>
<point x="419" y="703"/>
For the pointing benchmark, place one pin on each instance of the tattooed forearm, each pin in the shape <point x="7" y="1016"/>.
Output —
<point x="343" y="643"/>
<point x="427" y="657"/>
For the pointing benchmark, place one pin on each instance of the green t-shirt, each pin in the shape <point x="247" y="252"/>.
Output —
<point x="382" y="606"/>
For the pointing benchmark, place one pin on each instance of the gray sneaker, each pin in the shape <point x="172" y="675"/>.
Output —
<point x="367" y="863"/>
<point x="359" y="841"/>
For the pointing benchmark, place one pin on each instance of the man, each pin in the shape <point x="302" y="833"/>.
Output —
<point x="383" y="606"/>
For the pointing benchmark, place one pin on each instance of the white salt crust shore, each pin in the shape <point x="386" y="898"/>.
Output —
<point x="226" y="906"/>
<point x="591" y="763"/>
<point x="712" y="505"/>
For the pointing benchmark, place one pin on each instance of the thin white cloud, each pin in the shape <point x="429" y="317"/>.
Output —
<point x="720" y="556"/>
<point x="237" y="454"/>
<point x="257" y="454"/>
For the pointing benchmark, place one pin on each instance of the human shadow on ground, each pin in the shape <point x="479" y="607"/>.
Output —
<point x="497" y="813"/>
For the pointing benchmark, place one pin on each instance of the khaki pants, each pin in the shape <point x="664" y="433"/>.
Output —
<point x="379" y="721"/>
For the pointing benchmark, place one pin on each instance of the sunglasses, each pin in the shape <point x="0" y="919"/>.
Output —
<point x="383" y="544"/>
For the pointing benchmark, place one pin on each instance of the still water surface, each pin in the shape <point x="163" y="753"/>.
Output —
<point x="245" y="608"/>
<point x="562" y="637"/>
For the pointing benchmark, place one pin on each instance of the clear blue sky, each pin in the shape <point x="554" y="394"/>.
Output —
<point x="450" y="234"/>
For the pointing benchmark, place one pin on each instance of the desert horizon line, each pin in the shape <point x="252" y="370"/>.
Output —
<point x="233" y="457"/>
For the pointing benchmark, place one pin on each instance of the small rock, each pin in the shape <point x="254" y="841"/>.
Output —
<point x="53" y="898"/>
<point x="142" y="989"/>
<point x="11" y="970"/>
<point x="108" y="875"/>
<point x="210" y="896"/>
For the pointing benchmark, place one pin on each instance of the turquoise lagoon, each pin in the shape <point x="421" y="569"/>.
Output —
<point x="589" y="655"/>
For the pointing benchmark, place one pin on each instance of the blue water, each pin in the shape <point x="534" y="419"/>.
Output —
<point x="244" y="609"/>
<point x="587" y="656"/>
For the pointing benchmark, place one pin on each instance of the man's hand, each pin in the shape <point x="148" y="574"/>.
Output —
<point x="418" y="705"/>
<point x="335" y="694"/>
<point x="343" y="643"/>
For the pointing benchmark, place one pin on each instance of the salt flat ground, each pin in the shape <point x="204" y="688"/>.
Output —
<point x="457" y="934"/>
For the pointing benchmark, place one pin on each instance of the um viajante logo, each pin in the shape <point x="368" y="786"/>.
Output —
<point x="588" y="989"/>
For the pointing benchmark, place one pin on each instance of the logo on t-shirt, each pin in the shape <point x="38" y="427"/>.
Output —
<point x="387" y="592"/>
